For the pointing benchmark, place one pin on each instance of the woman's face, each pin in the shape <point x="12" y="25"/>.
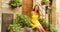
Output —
<point x="36" y="8"/>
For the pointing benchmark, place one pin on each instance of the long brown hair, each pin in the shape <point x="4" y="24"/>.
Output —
<point x="37" y="10"/>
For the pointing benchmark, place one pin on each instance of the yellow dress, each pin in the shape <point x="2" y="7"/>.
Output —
<point x="35" y="21"/>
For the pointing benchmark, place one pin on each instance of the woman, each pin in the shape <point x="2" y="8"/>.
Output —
<point x="34" y="19"/>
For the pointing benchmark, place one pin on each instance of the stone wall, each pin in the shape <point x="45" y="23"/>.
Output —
<point x="56" y="14"/>
<point x="4" y="8"/>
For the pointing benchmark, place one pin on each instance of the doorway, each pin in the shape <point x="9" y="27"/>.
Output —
<point x="7" y="19"/>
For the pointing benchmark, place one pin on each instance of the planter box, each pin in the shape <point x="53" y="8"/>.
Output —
<point x="26" y="29"/>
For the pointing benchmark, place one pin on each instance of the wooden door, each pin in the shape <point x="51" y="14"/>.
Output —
<point x="27" y="7"/>
<point x="6" y="20"/>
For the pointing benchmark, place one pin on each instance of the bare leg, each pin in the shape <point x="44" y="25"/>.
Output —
<point x="40" y="29"/>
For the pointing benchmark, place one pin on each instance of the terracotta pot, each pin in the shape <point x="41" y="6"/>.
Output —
<point x="13" y="7"/>
<point x="35" y="30"/>
<point x="26" y="29"/>
<point x="10" y="31"/>
<point x="46" y="28"/>
<point x="41" y="22"/>
<point x="42" y="3"/>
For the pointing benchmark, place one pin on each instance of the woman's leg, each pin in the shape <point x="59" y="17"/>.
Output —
<point x="40" y="29"/>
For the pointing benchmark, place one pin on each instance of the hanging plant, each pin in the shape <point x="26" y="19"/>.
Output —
<point x="15" y="3"/>
<point x="45" y="1"/>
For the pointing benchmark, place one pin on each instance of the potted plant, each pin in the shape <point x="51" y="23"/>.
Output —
<point x="23" y="20"/>
<point x="15" y="3"/>
<point x="45" y="25"/>
<point x="52" y="29"/>
<point x="14" y="27"/>
<point x="44" y="2"/>
<point x="41" y="20"/>
<point x="22" y="23"/>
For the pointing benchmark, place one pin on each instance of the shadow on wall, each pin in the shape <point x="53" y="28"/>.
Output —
<point x="0" y="24"/>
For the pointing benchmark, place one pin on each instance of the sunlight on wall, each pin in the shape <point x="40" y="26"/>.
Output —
<point x="58" y="11"/>
<point x="58" y="14"/>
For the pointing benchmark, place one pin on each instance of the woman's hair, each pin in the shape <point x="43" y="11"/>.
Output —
<point x="37" y="10"/>
<point x="35" y="7"/>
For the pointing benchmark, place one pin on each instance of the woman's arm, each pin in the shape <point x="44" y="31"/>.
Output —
<point x="41" y="14"/>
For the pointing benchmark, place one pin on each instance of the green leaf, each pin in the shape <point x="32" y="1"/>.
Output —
<point x="23" y="20"/>
<point x="15" y="2"/>
<point x="46" y="1"/>
<point x="14" y="27"/>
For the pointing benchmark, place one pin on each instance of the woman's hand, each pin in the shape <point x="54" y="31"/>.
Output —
<point x="41" y="14"/>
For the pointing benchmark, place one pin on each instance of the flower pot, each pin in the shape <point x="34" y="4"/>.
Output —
<point x="42" y="3"/>
<point x="46" y="28"/>
<point x="21" y="30"/>
<point x="11" y="31"/>
<point x="41" y="22"/>
<point x="13" y="7"/>
<point x="26" y="29"/>
<point x="35" y="30"/>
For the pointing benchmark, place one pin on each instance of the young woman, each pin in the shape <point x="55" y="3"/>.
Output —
<point x="34" y="19"/>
